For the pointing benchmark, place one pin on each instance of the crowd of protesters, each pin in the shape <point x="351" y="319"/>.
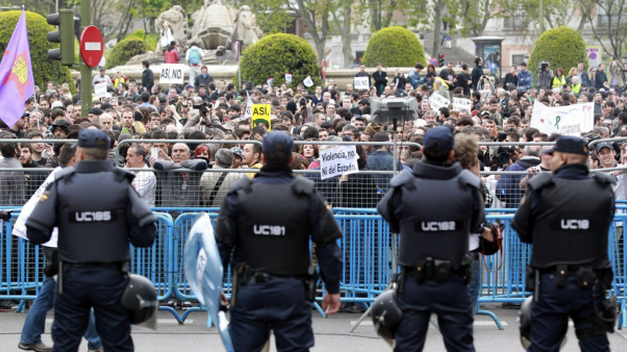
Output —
<point x="199" y="174"/>
<point x="206" y="109"/>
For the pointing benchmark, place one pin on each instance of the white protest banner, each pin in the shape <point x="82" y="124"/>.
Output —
<point x="566" y="120"/>
<point x="100" y="89"/>
<point x="270" y="82"/>
<point x="288" y="78"/>
<point x="172" y="73"/>
<point x="437" y="101"/>
<point x="338" y="161"/>
<point x="460" y="104"/>
<point x="308" y="82"/>
<point x="361" y="83"/>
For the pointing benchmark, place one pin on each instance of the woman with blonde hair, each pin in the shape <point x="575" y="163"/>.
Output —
<point x="572" y="72"/>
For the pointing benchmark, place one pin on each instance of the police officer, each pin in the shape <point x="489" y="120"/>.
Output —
<point x="566" y="215"/>
<point x="97" y="212"/>
<point x="268" y="222"/>
<point x="435" y="207"/>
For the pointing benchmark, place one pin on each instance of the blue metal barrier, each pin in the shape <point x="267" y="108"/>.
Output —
<point x="366" y="249"/>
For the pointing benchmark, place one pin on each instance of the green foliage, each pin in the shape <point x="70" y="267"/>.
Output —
<point x="44" y="69"/>
<point x="562" y="46"/>
<point x="272" y="15"/>
<point x="278" y="54"/>
<point x="124" y="50"/>
<point x="151" y="39"/>
<point x="394" y="47"/>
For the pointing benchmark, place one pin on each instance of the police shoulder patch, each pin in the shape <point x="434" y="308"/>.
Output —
<point x="44" y="197"/>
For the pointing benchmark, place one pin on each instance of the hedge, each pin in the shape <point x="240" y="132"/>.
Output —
<point x="124" y="50"/>
<point x="278" y="54"/>
<point x="394" y="47"/>
<point x="44" y="69"/>
<point x="562" y="46"/>
<point x="151" y="39"/>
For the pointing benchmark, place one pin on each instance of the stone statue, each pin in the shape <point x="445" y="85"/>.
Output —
<point x="216" y="27"/>
<point x="213" y="25"/>
<point x="177" y="18"/>
<point x="246" y="31"/>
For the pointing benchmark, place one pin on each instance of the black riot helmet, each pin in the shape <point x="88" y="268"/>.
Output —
<point x="140" y="299"/>
<point x="525" y="322"/>
<point x="386" y="316"/>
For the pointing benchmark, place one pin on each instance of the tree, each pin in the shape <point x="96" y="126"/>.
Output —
<point x="378" y="13"/>
<point x="274" y="56"/>
<point x="562" y="46"/>
<point x="272" y="15"/>
<point x="343" y="22"/>
<point x="394" y="47"/>
<point x="44" y="69"/>
<point x="315" y="14"/>
<point x="124" y="50"/>
<point x="608" y="22"/>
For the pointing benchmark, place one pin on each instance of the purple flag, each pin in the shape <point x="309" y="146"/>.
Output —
<point x="16" y="75"/>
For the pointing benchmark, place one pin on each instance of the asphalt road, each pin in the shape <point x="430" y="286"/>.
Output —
<point x="332" y="334"/>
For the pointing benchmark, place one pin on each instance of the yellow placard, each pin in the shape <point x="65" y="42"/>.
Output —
<point x="260" y="114"/>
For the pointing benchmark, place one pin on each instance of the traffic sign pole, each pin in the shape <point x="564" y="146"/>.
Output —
<point x="85" y="70"/>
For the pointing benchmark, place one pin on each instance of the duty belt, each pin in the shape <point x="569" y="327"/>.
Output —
<point x="439" y="270"/>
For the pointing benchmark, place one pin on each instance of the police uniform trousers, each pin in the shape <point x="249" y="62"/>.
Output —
<point x="280" y="305"/>
<point x="550" y="314"/>
<point x="449" y="300"/>
<point x="86" y="286"/>
<point x="34" y="325"/>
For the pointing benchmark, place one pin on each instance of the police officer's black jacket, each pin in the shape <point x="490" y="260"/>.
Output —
<point x="566" y="216"/>
<point x="435" y="208"/>
<point x="97" y="212"/>
<point x="268" y="222"/>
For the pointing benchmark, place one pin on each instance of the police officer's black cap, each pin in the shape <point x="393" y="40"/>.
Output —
<point x="278" y="142"/>
<point x="570" y="145"/>
<point x="95" y="111"/>
<point x="92" y="139"/>
<point x="439" y="139"/>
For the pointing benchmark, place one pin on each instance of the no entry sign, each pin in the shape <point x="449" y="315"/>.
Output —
<point x="92" y="46"/>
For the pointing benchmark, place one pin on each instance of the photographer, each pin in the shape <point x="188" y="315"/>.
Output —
<point x="545" y="75"/>
<point x="399" y="81"/>
<point x="203" y="112"/>
<point x="304" y="108"/>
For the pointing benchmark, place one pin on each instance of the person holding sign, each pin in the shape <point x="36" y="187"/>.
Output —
<point x="362" y="79"/>
<point x="103" y="77"/>
<point x="267" y="223"/>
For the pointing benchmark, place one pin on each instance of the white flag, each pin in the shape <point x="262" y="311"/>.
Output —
<point x="308" y="82"/>
<point x="288" y="78"/>
<point x="270" y="81"/>
<point x="249" y="107"/>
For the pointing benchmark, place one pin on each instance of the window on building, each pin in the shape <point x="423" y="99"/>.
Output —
<point x="358" y="56"/>
<point x="607" y="12"/>
<point x="518" y="59"/>
<point x="516" y="21"/>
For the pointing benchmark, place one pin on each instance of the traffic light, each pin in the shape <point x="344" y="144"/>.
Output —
<point x="441" y="60"/>
<point x="64" y="19"/>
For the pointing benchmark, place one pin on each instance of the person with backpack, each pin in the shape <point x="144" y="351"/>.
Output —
<point x="194" y="60"/>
